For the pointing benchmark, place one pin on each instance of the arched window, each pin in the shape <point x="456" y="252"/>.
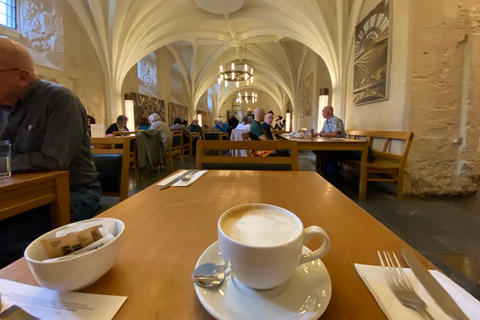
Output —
<point x="8" y="16"/>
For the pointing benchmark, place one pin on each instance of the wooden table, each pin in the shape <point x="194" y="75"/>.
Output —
<point x="337" y="144"/>
<point x="166" y="231"/>
<point x="23" y="192"/>
<point x="190" y="136"/>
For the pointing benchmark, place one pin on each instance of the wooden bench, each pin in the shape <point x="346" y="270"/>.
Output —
<point x="231" y="162"/>
<point x="388" y="165"/>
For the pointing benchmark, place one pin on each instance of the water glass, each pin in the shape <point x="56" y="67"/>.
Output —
<point x="5" y="155"/>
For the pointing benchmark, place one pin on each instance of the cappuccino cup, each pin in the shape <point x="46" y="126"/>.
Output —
<point x="263" y="244"/>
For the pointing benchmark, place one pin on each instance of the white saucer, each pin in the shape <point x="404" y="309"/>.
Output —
<point x="305" y="296"/>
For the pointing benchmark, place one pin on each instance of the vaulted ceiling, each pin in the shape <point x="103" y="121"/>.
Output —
<point x="277" y="34"/>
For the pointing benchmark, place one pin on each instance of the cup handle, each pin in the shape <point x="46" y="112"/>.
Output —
<point x="320" y="252"/>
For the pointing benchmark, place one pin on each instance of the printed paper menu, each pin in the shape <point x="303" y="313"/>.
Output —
<point x="55" y="305"/>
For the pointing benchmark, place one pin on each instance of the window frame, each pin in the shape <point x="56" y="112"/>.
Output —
<point x="14" y="5"/>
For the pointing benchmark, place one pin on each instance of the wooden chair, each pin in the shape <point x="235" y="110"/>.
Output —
<point x="109" y="147"/>
<point x="132" y="156"/>
<point x="388" y="165"/>
<point x="176" y="147"/>
<point x="246" y="136"/>
<point x="204" y="161"/>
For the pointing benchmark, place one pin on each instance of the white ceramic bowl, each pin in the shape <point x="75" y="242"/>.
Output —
<point x="77" y="272"/>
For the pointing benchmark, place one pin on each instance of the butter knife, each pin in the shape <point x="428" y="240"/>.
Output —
<point x="178" y="178"/>
<point x="438" y="293"/>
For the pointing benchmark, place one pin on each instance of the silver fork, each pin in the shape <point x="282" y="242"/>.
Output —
<point x="401" y="286"/>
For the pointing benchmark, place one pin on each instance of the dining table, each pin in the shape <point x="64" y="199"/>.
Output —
<point x="316" y="143"/>
<point x="166" y="231"/>
<point x="25" y="191"/>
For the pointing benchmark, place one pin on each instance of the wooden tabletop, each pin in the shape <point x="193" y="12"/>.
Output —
<point x="26" y="191"/>
<point x="167" y="231"/>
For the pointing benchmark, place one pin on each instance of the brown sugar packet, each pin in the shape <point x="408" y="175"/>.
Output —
<point x="58" y="247"/>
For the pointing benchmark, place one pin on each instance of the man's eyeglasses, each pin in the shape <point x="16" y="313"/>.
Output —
<point x="15" y="69"/>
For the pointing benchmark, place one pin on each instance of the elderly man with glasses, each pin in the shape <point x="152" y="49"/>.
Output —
<point x="47" y="127"/>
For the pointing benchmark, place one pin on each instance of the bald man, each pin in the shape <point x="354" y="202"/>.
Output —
<point x="47" y="127"/>
<point x="333" y="126"/>
<point x="256" y="129"/>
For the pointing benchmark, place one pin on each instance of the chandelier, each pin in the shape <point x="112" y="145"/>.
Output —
<point x="252" y="98"/>
<point x="237" y="72"/>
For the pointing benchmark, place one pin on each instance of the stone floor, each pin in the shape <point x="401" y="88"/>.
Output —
<point x="447" y="228"/>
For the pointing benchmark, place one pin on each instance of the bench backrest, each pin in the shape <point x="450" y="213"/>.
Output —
<point x="388" y="136"/>
<point x="221" y="161"/>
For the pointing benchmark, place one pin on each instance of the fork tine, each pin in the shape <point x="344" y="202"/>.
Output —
<point x="408" y="284"/>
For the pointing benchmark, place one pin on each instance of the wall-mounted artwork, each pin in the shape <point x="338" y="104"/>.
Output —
<point x="371" y="65"/>
<point x="301" y="100"/>
<point x="177" y="111"/>
<point x="143" y="106"/>
<point x="308" y="95"/>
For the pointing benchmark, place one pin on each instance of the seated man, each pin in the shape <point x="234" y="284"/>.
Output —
<point x="194" y="127"/>
<point x="159" y="125"/>
<point x="256" y="129"/>
<point x="47" y="127"/>
<point x="267" y="125"/>
<point x="120" y="125"/>
<point x="332" y="127"/>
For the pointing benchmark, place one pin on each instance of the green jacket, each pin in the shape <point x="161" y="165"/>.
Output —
<point x="150" y="149"/>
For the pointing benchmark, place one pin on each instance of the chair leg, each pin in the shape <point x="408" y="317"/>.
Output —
<point x="400" y="187"/>
<point x="171" y="163"/>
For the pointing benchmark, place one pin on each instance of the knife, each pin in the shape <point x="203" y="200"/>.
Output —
<point x="178" y="178"/>
<point x="434" y="288"/>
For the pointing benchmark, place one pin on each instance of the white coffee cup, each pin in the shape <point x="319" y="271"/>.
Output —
<point x="263" y="244"/>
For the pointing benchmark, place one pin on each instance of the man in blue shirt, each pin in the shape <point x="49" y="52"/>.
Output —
<point x="333" y="126"/>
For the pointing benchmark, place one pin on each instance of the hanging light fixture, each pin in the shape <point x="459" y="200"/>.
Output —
<point x="247" y="97"/>
<point x="237" y="72"/>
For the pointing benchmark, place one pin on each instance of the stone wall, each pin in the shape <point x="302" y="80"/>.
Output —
<point x="62" y="52"/>
<point x="444" y="111"/>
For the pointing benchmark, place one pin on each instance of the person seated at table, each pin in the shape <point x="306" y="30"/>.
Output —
<point x="143" y="124"/>
<point x="267" y="125"/>
<point x="333" y="126"/>
<point x="222" y="126"/>
<point x="90" y="121"/>
<point x="279" y="123"/>
<point x="194" y="127"/>
<point x="257" y="132"/>
<point x="327" y="161"/>
<point x="185" y="123"/>
<point x="177" y="125"/>
<point x="47" y="126"/>
<point x="244" y="125"/>
<point x="232" y="124"/>
<point x="157" y="124"/>
<point x="120" y="125"/>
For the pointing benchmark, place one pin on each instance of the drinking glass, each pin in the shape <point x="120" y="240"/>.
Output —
<point x="5" y="155"/>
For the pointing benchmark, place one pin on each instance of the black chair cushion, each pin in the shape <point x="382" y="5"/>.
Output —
<point x="110" y="168"/>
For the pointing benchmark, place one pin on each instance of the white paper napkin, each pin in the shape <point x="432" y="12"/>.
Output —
<point x="181" y="183"/>
<point x="377" y="284"/>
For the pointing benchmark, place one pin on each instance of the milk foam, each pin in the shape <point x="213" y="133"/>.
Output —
<point x="261" y="227"/>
